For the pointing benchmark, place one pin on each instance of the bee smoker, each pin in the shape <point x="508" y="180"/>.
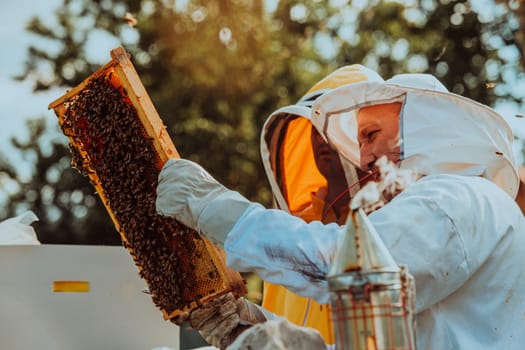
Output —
<point x="372" y="298"/>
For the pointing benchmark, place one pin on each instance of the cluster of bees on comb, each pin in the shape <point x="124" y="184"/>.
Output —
<point x="108" y="140"/>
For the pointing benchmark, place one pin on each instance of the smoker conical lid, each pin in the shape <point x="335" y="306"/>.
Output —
<point x="361" y="248"/>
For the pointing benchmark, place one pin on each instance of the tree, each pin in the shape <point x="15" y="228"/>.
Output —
<point x="216" y="69"/>
<point x="68" y="209"/>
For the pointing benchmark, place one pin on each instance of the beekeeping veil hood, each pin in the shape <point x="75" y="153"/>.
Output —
<point x="440" y="132"/>
<point x="286" y="148"/>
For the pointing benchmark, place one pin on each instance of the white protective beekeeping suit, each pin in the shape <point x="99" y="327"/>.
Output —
<point x="457" y="228"/>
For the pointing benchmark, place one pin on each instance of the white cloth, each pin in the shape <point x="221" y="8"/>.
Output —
<point x="461" y="237"/>
<point x="278" y="335"/>
<point x="18" y="230"/>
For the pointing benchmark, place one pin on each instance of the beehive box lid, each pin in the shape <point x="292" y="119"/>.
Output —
<point x="114" y="313"/>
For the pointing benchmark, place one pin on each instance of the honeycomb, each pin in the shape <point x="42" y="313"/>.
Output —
<point x="117" y="139"/>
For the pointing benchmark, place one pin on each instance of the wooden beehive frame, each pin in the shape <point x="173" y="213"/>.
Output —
<point x="156" y="130"/>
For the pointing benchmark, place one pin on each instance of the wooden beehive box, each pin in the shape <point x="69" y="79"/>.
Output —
<point x="118" y="140"/>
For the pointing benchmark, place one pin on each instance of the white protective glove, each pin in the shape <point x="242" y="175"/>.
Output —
<point x="192" y="196"/>
<point x="222" y="319"/>
<point x="279" y="335"/>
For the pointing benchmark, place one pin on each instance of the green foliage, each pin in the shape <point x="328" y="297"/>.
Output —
<point x="69" y="211"/>
<point x="216" y="69"/>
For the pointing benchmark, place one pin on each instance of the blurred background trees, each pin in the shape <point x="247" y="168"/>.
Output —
<point x="216" y="69"/>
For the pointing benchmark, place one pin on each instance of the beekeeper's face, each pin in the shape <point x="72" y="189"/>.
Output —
<point x="326" y="158"/>
<point x="378" y="133"/>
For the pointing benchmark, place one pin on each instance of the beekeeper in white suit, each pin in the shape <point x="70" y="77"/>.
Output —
<point x="457" y="228"/>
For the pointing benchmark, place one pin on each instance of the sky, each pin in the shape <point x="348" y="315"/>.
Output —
<point x="18" y="103"/>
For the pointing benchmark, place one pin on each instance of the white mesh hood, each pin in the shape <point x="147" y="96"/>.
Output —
<point x="440" y="132"/>
<point x="299" y="111"/>
<point x="345" y="75"/>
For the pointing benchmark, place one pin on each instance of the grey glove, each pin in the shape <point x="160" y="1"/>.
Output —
<point x="191" y="195"/>
<point x="279" y="335"/>
<point x="222" y="319"/>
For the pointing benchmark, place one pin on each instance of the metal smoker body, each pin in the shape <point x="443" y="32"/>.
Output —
<point x="372" y="298"/>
